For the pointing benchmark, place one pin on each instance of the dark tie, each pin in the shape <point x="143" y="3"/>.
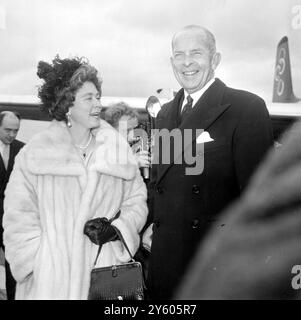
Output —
<point x="187" y="108"/>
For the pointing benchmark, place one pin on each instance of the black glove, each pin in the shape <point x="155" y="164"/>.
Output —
<point x="100" y="231"/>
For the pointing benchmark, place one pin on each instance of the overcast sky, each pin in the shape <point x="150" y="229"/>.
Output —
<point x="129" y="40"/>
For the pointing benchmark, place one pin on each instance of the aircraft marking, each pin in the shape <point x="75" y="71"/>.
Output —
<point x="280" y="68"/>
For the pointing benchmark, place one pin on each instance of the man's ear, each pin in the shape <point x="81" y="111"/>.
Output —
<point x="216" y="59"/>
<point x="173" y="66"/>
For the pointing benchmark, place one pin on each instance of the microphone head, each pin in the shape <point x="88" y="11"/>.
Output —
<point x="145" y="173"/>
<point x="153" y="106"/>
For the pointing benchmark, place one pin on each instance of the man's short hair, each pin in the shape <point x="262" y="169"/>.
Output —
<point x="210" y="39"/>
<point x="5" y="113"/>
<point x="116" y="111"/>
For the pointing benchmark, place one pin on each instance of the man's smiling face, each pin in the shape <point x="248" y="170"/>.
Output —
<point x="192" y="61"/>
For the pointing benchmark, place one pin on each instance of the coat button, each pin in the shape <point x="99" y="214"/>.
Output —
<point x="159" y="190"/>
<point x="195" y="223"/>
<point x="196" y="189"/>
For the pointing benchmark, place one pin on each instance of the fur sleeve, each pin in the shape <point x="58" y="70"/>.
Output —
<point x="132" y="217"/>
<point x="21" y="222"/>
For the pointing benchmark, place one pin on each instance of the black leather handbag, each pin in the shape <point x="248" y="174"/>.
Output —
<point x="117" y="282"/>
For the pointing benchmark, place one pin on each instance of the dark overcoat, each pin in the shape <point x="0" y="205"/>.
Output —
<point x="15" y="147"/>
<point x="184" y="207"/>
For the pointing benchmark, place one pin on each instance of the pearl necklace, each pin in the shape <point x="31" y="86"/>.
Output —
<point x="85" y="146"/>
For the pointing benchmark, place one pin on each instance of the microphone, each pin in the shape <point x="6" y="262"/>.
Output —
<point x="152" y="108"/>
<point x="145" y="173"/>
<point x="145" y="147"/>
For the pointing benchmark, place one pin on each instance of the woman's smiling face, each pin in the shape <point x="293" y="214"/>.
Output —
<point x="86" y="106"/>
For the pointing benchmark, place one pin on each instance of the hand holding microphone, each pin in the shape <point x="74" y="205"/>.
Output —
<point x="143" y="158"/>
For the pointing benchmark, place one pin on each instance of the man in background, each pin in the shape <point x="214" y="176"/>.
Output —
<point x="9" y="148"/>
<point x="234" y="134"/>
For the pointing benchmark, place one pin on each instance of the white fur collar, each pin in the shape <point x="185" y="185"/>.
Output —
<point x="113" y="156"/>
<point x="52" y="152"/>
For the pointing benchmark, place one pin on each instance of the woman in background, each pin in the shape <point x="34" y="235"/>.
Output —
<point x="125" y="119"/>
<point x="72" y="178"/>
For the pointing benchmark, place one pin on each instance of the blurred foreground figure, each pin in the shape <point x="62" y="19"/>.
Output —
<point x="253" y="256"/>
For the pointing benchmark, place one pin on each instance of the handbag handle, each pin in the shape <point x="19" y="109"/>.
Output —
<point x="124" y="243"/>
<point x="121" y="239"/>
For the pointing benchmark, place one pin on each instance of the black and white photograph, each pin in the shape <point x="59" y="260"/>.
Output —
<point x="150" y="150"/>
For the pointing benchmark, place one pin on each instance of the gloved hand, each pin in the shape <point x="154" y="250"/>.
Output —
<point x="100" y="231"/>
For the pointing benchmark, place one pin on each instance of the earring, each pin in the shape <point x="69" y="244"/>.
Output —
<point x="68" y="116"/>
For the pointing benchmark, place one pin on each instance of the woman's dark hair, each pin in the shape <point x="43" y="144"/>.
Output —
<point x="118" y="110"/>
<point x="62" y="79"/>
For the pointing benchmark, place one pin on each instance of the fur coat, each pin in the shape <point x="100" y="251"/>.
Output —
<point x="49" y="198"/>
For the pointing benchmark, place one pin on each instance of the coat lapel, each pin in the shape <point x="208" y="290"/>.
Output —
<point x="2" y="166"/>
<point x="12" y="153"/>
<point x="170" y="120"/>
<point x="51" y="152"/>
<point x="206" y="111"/>
<point x="113" y="155"/>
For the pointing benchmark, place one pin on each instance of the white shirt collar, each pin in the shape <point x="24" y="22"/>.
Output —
<point x="197" y="95"/>
<point x="3" y="146"/>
